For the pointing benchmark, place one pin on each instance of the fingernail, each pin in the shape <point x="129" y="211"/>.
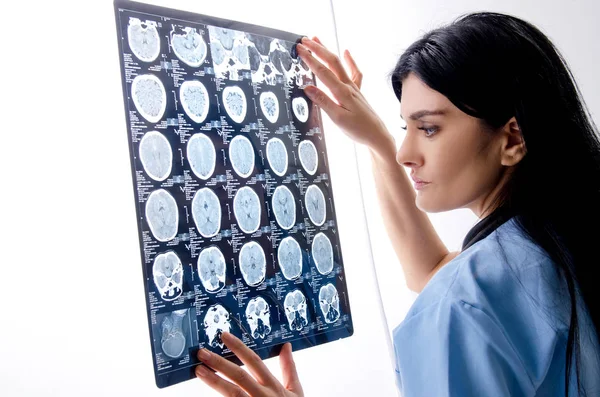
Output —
<point x="301" y="47"/>
<point x="201" y="370"/>
<point x="304" y="39"/>
<point x="204" y="354"/>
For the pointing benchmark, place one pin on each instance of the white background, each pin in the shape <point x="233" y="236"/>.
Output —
<point x="73" y="318"/>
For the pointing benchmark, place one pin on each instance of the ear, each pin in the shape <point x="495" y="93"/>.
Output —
<point x="513" y="145"/>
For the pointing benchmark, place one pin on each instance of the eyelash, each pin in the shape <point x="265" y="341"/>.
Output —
<point x="434" y="129"/>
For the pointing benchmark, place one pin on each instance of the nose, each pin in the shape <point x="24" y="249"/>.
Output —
<point x="408" y="154"/>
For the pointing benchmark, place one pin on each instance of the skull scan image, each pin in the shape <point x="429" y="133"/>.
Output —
<point x="300" y="108"/>
<point x="269" y="104"/>
<point x="194" y="99"/>
<point x="235" y="104"/>
<point x="172" y="340"/>
<point x="258" y="316"/>
<point x="277" y="156"/>
<point x="299" y="74"/>
<point x="167" y="272"/>
<point x="215" y="322"/>
<point x="322" y="252"/>
<point x="206" y="211"/>
<point x="202" y="155"/>
<point x="156" y="155"/>
<point x="246" y="208"/>
<point x="241" y="154"/>
<point x="308" y="156"/>
<point x="295" y="310"/>
<point x="229" y="49"/>
<point x="270" y="59"/>
<point x="218" y="53"/>
<point x="149" y="97"/>
<point x="189" y="46"/>
<point x="284" y="207"/>
<point x="143" y="39"/>
<point x="329" y="301"/>
<point x="211" y="269"/>
<point x="314" y="200"/>
<point x="253" y="263"/>
<point x="162" y="215"/>
<point x="289" y="256"/>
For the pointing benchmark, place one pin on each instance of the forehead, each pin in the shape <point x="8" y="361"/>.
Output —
<point x="417" y="96"/>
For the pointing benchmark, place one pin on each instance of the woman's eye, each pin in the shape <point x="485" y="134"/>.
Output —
<point x="429" y="131"/>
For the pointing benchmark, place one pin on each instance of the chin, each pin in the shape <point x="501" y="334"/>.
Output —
<point x="432" y="206"/>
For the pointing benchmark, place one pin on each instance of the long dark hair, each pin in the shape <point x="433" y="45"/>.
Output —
<point x="495" y="66"/>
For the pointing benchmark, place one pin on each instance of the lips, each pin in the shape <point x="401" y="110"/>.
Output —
<point x="418" y="180"/>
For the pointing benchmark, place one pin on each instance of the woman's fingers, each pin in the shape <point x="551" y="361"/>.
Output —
<point x="355" y="73"/>
<point x="332" y="60"/>
<point x="219" y="384"/>
<point x="254" y="363"/>
<point x="337" y="88"/>
<point x="232" y="371"/>
<point x="333" y="110"/>
<point x="288" y="369"/>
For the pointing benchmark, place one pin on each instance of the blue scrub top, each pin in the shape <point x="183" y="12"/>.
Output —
<point x="493" y="322"/>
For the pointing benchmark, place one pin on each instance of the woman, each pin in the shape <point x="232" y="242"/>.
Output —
<point x="495" y="123"/>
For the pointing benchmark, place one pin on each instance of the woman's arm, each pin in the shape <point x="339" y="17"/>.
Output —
<point x="418" y="247"/>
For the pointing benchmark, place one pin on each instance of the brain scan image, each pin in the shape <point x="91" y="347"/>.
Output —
<point x="253" y="263"/>
<point x="156" y="155"/>
<point x="211" y="269"/>
<point x="172" y="339"/>
<point x="329" y="301"/>
<point x="269" y="104"/>
<point x="295" y="310"/>
<point x="143" y="39"/>
<point x="284" y="207"/>
<point x="202" y="155"/>
<point x="246" y="208"/>
<point x="206" y="211"/>
<point x="234" y="101"/>
<point x="162" y="215"/>
<point x="189" y="46"/>
<point x="277" y="156"/>
<point x="322" y="253"/>
<point x="300" y="109"/>
<point x="149" y="97"/>
<point x="167" y="272"/>
<point x="308" y="156"/>
<point x="314" y="200"/>
<point x="289" y="256"/>
<point x="241" y="154"/>
<point x="258" y="316"/>
<point x="215" y="322"/>
<point x="194" y="99"/>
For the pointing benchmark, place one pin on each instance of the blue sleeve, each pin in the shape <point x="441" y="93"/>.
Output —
<point x="455" y="349"/>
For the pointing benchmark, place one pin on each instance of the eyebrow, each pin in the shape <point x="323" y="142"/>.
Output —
<point x="422" y="113"/>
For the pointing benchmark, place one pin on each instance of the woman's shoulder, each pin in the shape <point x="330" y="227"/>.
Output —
<point x="505" y="275"/>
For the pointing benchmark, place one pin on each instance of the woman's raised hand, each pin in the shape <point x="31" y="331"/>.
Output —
<point x="351" y="113"/>
<point x="259" y="383"/>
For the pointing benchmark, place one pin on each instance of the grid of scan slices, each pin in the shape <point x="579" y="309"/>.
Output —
<point x="237" y="222"/>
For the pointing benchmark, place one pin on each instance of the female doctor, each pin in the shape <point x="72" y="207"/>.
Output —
<point x="494" y="123"/>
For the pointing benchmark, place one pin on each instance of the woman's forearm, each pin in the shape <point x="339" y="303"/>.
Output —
<point x="416" y="243"/>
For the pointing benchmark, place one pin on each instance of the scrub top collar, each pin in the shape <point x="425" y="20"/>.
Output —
<point x="487" y="225"/>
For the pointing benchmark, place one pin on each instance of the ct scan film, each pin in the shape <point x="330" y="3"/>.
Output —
<point x="236" y="218"/>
